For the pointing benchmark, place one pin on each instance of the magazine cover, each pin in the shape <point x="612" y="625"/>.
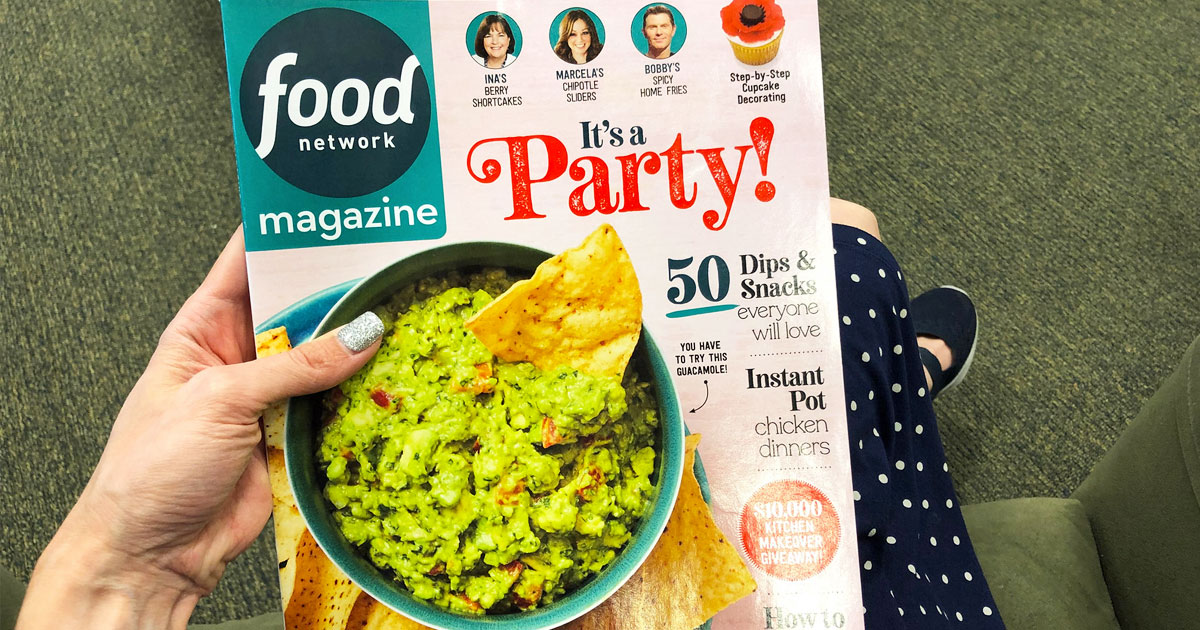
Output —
<point x="608" y="392"/>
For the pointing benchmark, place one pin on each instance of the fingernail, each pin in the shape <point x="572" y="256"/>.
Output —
<point x="359" y="334"/>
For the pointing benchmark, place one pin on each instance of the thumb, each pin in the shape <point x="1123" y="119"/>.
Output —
<point x="308" y="368"/>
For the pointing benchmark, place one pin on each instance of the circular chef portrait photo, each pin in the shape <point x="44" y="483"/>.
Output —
<point x="577" y="36"/>
<point x="493" y="40"/>
<point x="658" y="30"/>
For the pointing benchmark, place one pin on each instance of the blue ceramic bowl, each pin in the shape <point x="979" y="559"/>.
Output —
<point x="303" y="426"/>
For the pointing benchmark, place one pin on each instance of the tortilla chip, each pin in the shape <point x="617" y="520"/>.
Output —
<point x="692" y="574"/>
<point x="323" y="596"/>
<point x="289" y="526"/>
<point x="274" y="341"/>
<point x="271" y="342"/>
<point x="369" y="614"/>
<point x="273" y="424"/>
<point x="582" y="309"/>
<point x="281" y="490"/>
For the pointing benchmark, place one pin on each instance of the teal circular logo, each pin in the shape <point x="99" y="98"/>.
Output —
<point x="335" y="103"/>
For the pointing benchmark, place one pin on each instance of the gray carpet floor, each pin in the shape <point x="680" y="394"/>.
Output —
<point x="1042" y="155"/>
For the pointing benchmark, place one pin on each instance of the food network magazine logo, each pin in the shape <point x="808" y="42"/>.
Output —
<point x="335" y="103"/>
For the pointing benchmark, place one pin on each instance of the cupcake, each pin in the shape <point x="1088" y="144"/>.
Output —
<point x="754" y="29"/>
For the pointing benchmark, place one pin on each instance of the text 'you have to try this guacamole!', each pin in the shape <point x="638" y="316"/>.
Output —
<point x="483" y="485"/>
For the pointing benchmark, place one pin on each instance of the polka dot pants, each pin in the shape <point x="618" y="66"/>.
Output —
<point x="918" y="568"/>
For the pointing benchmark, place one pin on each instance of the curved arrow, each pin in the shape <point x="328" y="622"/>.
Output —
<point x="705" y="397"/>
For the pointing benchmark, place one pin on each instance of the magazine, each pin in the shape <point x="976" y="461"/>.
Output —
<point x="608" y="393"/>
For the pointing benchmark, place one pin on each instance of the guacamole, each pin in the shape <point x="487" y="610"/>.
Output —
<point x="483" y="486"/>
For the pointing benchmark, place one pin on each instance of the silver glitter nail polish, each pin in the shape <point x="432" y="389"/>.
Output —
<point x="359" y="334"/>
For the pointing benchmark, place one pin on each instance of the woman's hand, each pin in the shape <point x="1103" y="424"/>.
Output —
<point x="182" y="488"/>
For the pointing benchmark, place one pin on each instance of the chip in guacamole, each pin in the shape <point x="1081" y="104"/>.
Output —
<point x="484" y="485"/>
<point x="582" y="308"/>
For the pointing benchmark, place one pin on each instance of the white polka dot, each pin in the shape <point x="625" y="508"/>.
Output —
<point x="907" y="503"/>
<point x="899" y="464"/>
<point x="871" y="533"/>
<point x="968" y="576"/>
<point x="857" y="496"/>
<point x="903" y="313"/>
<point x="871" y="395"/>
<point x="901" y="611"/>
<point x="891" y="540"/>
<point x="846" y="319"/>
<point x="882" y="478"/>
<point x="860" y="445"/>
<point x="871" y="312"/>
<point x="933" y="541"/>
<point x="867" y="565"/>
<point x="945" y="580"/>
<point x="875" y="431"/>
<point x="922" y="609"/>
<point x="898" y="274"/>
<point x="921" y="392"/>
<point x="939" y="609"/>
<point x="880" y="349"/>
<point x="958" y="616"/>
<point x="925" y="503"/>
<point x="945" y="467"/>
<point x="920" y="466"/>
<point x="862" y="241"/>
<point x="866" y="357"/>
<point x="949" y="503"/>
<point x="898" y="427"/>
<point x="896" y="387"/>
<point x="987" y="611"/>
<point x="912" y="569"/>
<point x="853" y="406"/>
<point x="898" y="349"/>
<point x="920" y="428"/>
<point x="854" y="277"/>
<point x="882" y="273"/>
<point x="956" y="540"/>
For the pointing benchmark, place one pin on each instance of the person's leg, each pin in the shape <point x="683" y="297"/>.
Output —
<point x="844" y="212"/>
<point x="849" y="213"/>
<point x="918" y="568"/>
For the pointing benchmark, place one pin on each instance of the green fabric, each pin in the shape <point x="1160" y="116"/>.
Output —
<point x="269" y="621"/>
<point x="1040" y="561"/>
<point x="1142" y="502"/>
<point x="12" y="591"/>
<point x="1043" y="156"/>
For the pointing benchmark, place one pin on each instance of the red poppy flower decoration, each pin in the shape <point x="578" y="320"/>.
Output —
<point x="752" y="20"/>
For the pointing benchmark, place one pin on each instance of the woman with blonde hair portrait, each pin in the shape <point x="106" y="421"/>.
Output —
<point x="578" y="40"/>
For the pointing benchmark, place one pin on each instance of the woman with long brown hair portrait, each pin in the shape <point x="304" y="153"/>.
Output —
<point x="578" y="40"/>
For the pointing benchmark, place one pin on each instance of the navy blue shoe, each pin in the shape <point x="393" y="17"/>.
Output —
<point x="948" y="314"/>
